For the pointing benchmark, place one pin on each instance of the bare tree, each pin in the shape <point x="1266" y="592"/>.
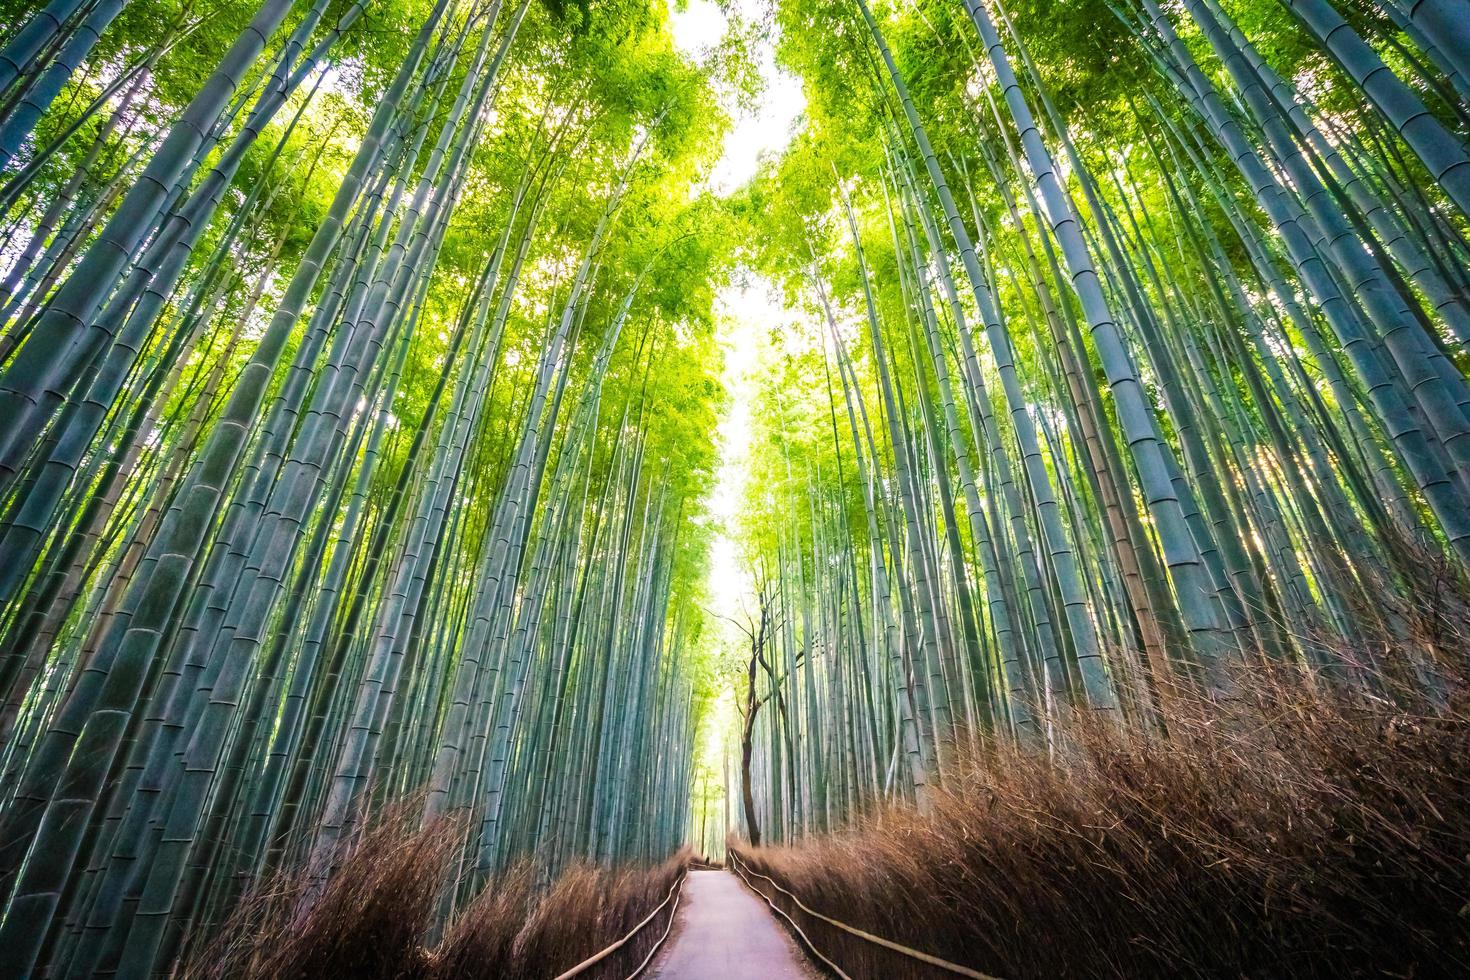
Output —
<point x="759" y="630"/>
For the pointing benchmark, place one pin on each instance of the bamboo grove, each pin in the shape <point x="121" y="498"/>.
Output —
<point x="1124" y="357"/>
<point x="360" y="376"/>
<point x="356" y="396"/>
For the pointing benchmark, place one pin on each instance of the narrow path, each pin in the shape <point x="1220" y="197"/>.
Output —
<point x="723" y="932"/>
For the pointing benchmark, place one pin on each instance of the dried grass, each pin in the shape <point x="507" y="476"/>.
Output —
<point x="1286" y="833"/>
<point x="375" y="913"/>
<point x="515" y="931"/>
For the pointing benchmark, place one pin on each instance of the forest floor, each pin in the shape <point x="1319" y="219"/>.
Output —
<point x="724" y="931"/>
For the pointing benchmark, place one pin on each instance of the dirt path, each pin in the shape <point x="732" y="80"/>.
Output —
<point x="723" y="932"/>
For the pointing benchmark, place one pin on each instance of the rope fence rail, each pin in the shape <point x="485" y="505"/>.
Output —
<point x="742" y="869"/>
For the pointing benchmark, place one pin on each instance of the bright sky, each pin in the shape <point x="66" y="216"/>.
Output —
<point x="697" y="31"/>
<point x="745" y="310"/>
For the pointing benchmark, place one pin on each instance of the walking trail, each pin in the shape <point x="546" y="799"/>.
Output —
<point x="723" y="932"/>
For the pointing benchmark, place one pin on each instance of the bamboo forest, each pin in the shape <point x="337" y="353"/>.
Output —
<point x="734" y="488"/>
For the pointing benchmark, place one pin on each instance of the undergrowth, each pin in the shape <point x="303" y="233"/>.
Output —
<point x="1282" y="833"/>
<point x="374" y="917"/>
